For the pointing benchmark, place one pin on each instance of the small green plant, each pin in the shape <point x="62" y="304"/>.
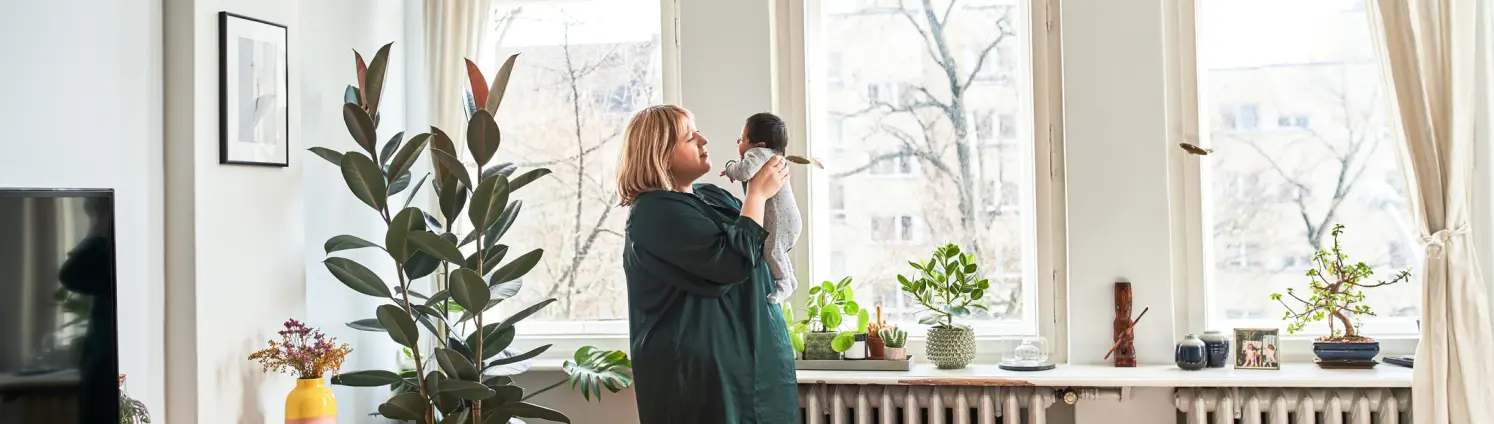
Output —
<point x="828" y="305"/>
<point x="131" y="411"/>
<point x="894" y="337"/>
<point x="947" y="286"/>
<point x="1337" y="293"/>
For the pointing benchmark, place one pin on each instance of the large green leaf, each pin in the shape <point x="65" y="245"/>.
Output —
<point x="505" y="221"/>
<point x="453" y="197"/>
<point x="399" y="184"/>
<point x="516" y="268"/>
<point x="519" y="316"/>
<point x="482" y="137"/>
<point x="500" y="84"/>
<point x="466" y="389"/>
<point x="842" y="341"/>
<point x="346" y="242"/>
<point x="330" y="155"/>
<point x="468" y="289"/>
<point x="361" y="127"/>
<point x="440" y="142"/>
<point x="506" y="290"/>
<point x="364" y="179"/>
<point x="350" y="95"/>
<point x="478" y="86"/>
<point x="797" y="340"/>
<point x="421" y="265"/>
<point x="507" y="368"/>
<point x="488" y="201"/>
<point x="529" y="410"/>
<point x="401" y="328"/>
<point x="505" y="169"/>
<point x="509" y="357"/>
<point x="370" y="378"/>
<point x="526" y="178"/>
<point x="374" y="87"/>
<point x="405" y="406"/>
<point x="390" y="147"/>
<point x="397" y="237"/>
<point x="367" y="324"/>
<point x="831" y="318"/>
<point x="456" y="365"/>
<point x="452" y="166"/>
<point x="592" y="369"/>
<point x="494" y="255"/>
<point x="408" y="154"/>
<point x="434" y="245"/>
<point x="357" y="277"/>
<point x="495" y="338"/>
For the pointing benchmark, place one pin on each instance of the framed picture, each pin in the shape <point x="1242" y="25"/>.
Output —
<point x="254" y="112"/>
<point x="1257" y="349"/>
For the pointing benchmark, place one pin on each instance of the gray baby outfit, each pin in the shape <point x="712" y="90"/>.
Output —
<point x="781" y="219"/>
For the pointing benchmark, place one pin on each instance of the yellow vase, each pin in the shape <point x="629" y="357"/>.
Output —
<point x="311" y="403"/>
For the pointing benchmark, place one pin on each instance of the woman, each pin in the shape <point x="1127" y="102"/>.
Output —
<point x="707" y="347"/>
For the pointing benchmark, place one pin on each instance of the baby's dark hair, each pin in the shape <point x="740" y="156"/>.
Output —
<point x="768" y="129"/>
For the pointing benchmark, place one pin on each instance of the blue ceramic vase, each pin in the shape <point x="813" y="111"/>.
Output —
<point x="1191" y="354"/>
<point x="1217" y="347"/>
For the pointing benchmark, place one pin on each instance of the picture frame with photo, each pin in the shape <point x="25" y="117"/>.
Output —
<point x="1257" y="348"/>
<point x="253" y="91"/>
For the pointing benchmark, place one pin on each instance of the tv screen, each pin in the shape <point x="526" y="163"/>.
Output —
<point x="58" y="337"/>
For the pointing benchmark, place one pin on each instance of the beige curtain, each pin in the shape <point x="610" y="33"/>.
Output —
<point x="1427" y="48"/>
<point x="454" y="31"/>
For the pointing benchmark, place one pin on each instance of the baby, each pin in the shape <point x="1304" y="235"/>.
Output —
<point x="763" y="137"/>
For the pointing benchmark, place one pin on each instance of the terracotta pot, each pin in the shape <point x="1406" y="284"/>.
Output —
<point x="874" y="346"/>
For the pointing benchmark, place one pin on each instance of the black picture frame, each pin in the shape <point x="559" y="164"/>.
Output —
<point x="232" y="150"/>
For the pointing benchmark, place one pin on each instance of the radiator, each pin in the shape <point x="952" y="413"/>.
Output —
<point x="878" y="404"/>
<point x="1293" y="405"/>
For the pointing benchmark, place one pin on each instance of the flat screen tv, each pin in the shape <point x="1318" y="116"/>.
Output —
<point x="59" y="344"/>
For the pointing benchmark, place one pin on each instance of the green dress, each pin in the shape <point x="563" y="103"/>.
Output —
<point x="707" y="346"/>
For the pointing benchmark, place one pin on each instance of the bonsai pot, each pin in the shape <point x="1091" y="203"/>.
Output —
<point x="817" y="346"/>
<point x="875" y="346"/>
<point x="1338" y="351"/>
<point x="951" y="347"/>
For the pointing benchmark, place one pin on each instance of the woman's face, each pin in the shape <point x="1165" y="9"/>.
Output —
<point x="688" y="160"/>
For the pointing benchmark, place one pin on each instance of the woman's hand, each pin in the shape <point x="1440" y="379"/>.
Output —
<point x="771" y="177"/>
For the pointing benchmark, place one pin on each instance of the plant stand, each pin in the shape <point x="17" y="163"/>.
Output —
<point x="854" y="365"/>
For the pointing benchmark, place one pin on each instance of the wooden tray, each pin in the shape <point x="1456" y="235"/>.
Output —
<point x="854" y="365"/>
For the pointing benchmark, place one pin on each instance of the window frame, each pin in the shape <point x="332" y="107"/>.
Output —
<point x="796" y="24"/>
<point x="1186" y="183"/>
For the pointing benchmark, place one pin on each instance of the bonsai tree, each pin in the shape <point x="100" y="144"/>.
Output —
<point x="459" y="376"/>
<point x="947" y="286"/>
<point x="828" y="305"/>
<point x="1336" y="287"/>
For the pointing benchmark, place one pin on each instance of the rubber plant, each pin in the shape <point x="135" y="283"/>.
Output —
<point x="458" y="377"/>
<point x="1337" y="294"/>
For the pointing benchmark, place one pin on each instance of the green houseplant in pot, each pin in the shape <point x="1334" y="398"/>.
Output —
<point x="458" y="377"/>
<point x="1336" y="294"/>
<point x="818" y="335"/>
<point x="896" y="341"/>
<point x="947" y="286"/>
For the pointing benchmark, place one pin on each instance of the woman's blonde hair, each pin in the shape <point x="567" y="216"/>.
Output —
<point x="649" y="138"/>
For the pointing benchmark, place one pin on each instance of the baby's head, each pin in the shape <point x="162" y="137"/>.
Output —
<point x="763" y="130"/>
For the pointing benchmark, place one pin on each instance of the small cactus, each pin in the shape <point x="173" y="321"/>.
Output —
<point x="894" y="337"/>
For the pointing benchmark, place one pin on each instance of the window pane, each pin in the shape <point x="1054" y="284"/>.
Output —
<point x="950" y="169"/>
<point x="1274" y="192"/>
<point x="584" y="67"/>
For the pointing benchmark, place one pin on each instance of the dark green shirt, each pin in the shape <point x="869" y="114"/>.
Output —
<point x="707" y="346"/>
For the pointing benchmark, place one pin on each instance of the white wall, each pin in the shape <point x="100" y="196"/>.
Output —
<point x="80" y="99"/>
<point x="243" y="247"/>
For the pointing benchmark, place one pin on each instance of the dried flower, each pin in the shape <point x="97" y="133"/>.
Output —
<point x="302" y="351"/>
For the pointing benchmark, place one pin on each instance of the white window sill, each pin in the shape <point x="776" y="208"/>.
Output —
<point x="1290" y="375"/>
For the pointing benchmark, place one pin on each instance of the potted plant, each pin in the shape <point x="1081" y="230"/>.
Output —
<point x="947" y="286"/>
<point x="874" y="342"/>
<point x="817" y="336"/>
<point x="460" y="376"/>
<point x="896" y="340"/>
<point x="1337" y="296"/>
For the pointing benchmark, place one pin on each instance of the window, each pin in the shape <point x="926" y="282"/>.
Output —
<point x="894" y="229"/>
<point x="897" y="50"/>
<point x="584" y="67"/>
<point x="838" y="200"/>
<point x="834" y="75"/>
<point x="1276" y="195"/>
